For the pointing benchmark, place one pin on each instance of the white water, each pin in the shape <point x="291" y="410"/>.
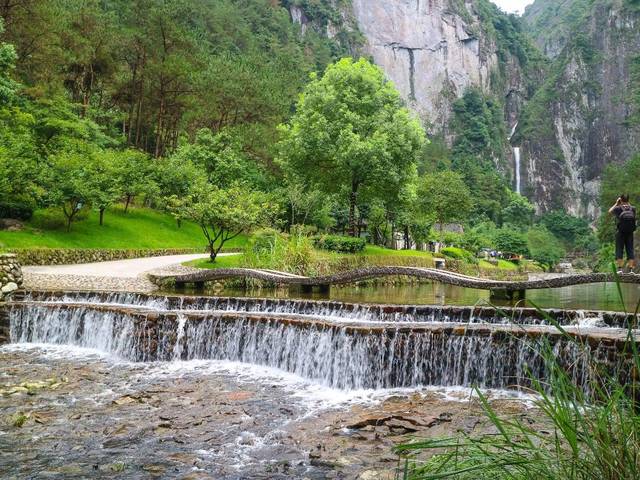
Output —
<point x="516" y="156"/>
<point x="330" y="355"/>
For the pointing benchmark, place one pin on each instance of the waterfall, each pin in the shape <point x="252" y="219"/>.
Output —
<point x="339" y="354"/>
<point x="516" y="156"/>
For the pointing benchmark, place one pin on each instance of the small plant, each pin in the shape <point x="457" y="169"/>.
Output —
<point x="18" y="419"/>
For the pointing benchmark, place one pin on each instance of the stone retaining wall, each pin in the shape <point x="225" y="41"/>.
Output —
<point x="10" y="282"/>
<point x="10" y="274"/>
<point x="66" y="256"/>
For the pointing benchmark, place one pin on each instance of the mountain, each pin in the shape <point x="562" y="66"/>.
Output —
<point x="583" y="117"/>
<point x="562" y="76"/>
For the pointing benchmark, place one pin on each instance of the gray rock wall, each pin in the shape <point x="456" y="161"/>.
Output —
<point x="10" y="275"/>
<point x="67" y="256"/>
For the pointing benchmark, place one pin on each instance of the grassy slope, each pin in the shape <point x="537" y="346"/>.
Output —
<point x="140" y="228"/>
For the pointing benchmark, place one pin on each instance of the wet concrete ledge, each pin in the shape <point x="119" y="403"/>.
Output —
<point x="378" y="312"/>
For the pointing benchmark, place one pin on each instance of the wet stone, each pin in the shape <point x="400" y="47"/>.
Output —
<point x="88" y="416"/>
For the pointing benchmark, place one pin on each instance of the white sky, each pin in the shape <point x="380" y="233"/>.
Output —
<point x="512" y="6"/>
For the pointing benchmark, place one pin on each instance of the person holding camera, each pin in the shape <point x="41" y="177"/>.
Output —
<point x="625" y="214"/>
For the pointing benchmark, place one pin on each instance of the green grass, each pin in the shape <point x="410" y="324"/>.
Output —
<point x="139" y="228"/>
<point x="231" y="261"/>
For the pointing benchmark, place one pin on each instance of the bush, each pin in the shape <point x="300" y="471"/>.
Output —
<point x="265" y="241"/>
<point x="20" y="211"/>
<point x="457" y="254"/>
<point x="335" y="243"/>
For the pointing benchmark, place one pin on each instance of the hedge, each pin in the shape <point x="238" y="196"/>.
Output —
<point x="335" y="243"/>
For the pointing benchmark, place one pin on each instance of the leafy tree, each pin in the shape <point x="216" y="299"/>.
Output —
<point x="70" y="186"/>
<point x="223" y="214"/>
<point x="8" y="57"/>
<point x="445" y="196"/>
<point x="519" y="212"/>
<point x="544" y="247"/>
<point x="511" y="241"/>
<point x="135" y="172"/>
<point x="221" y="157"/>
<point x="176" y="178"/>
<point x="103" y="190"/>
<point x="350" y="135"/>
<point x="566" y="227"/>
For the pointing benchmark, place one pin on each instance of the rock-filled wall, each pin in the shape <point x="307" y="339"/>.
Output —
<point x="10" y="275"/>
<point x="66" y="256"/>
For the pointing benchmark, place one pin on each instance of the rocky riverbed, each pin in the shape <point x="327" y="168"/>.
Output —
<point x="74" y="413"/>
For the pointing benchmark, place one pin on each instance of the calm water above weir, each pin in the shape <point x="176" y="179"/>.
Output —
<point x="587" y="297"/>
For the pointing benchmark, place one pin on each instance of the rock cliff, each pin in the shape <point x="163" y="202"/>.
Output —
<point x="579" y="120"/>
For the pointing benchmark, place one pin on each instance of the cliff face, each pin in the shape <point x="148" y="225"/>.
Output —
<point x="572" y="112"/>
<point x="579" y="120"/>
<point x="428" y="50"/>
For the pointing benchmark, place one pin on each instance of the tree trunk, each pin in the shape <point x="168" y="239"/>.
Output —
<point x="407" y="238"/>
<point x="126" y="204"/>
<point x="353" y="198"/>
<point x="179" y="220"/>
<point x="101" y="216"/>
<point x="69" y="219"/>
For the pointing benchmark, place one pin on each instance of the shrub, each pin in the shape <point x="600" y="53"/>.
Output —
<point x="335" y="243"/>
<point x="20" y="211"/>
<point x="456" y="253"/>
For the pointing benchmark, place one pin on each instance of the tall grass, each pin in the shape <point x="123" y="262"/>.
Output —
<point x="586" y="436"/>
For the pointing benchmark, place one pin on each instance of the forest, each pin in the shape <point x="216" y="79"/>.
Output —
<point x="191" y="107"/>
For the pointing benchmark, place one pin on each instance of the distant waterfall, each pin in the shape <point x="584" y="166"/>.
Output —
<point x="516" y="158"/>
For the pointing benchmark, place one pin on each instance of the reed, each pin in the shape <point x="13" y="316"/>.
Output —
<point x="594" y="436"/>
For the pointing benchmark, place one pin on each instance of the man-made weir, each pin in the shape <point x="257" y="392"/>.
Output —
<point x="343" y="346"/>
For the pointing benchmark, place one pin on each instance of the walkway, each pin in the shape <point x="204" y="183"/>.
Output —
<point x="442" y="276"/>
<point x="116" y="275"/>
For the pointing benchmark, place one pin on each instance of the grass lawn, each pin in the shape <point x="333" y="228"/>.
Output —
<point x="139" y="228"/>
<point x="231" y="261"/>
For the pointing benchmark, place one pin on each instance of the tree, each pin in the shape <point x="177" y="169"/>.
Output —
<point x="544" y="247"/>
<point x="8" y="58"/>
<point x="70" y="184"/>
<point x="511" y="241"/>
<point x="177" y="177"/>
<point x="445" y="196"/>
<point x="350" y="135"/>
<point x="223" y="214"/>
<point x="135" y="172"/>
<point x="104" y="189"/>
<point x="519" y="212"/>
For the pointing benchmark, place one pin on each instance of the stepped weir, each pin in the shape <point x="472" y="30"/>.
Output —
<point x="340" y="345"/>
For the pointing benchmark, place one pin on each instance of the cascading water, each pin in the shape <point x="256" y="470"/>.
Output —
<point x="338" y="353"/>
<point x="516" y="159"/>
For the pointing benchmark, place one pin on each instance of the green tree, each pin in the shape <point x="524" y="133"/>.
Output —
<point x="445" y="197"/>
<point x="223" y="214"/>
<point x="70" y="186"/>
<point x="566" y="227"/>
<point x="508" y="240"/>
<point x="8" y="58"/>
<point x="104" y="189"/>
<point x="135" y="172"/>
<point x="544" y="247"/>
<point x="518" y="212"/>
<point x="350" y="135"/>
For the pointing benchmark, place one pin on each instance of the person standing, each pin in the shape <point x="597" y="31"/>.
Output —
<point x="625" y="214"/>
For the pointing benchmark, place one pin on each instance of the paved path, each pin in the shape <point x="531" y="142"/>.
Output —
<point x="116" y="268"/>
<point x="116" y="275"/>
